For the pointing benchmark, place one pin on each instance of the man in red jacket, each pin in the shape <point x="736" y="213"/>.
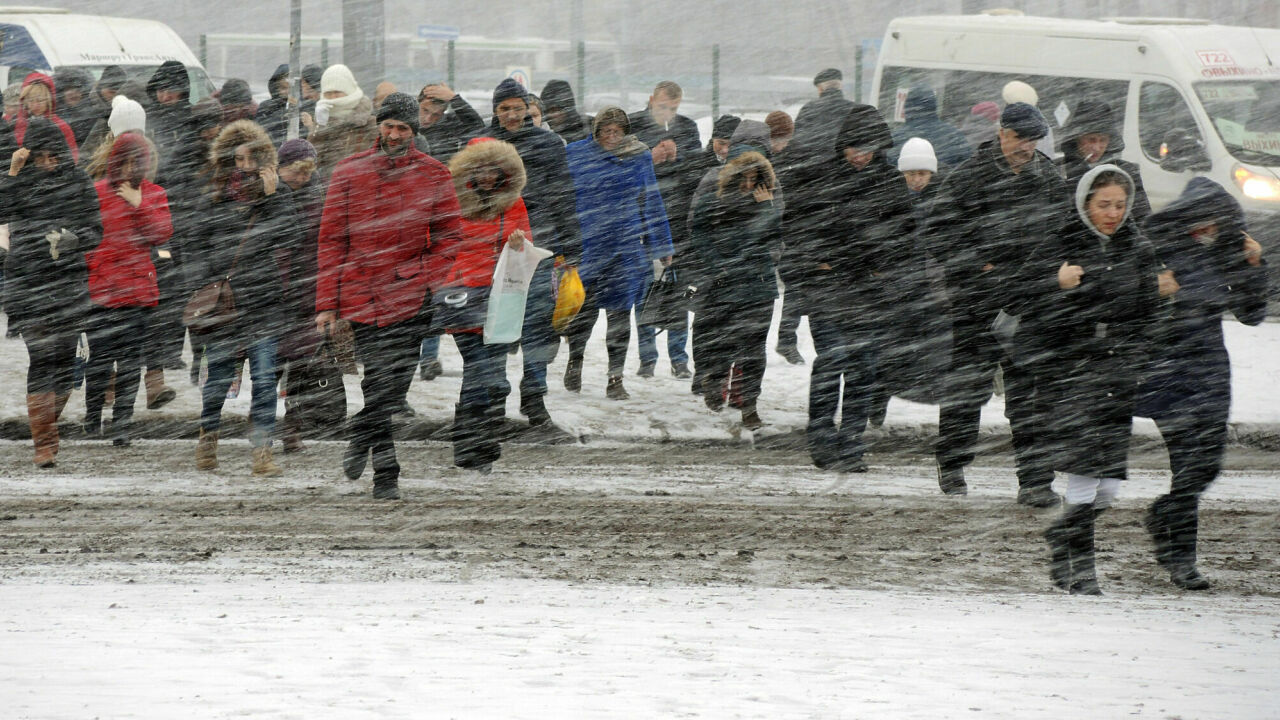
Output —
<point x="389" y="216"/>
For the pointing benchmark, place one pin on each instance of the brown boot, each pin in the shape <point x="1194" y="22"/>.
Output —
<point x="158" y="394"/>
<point x="263" y="465"/>
<point x="207" y="451"/>
<point x="44" y="429"/>
<point x="290" y="438"/>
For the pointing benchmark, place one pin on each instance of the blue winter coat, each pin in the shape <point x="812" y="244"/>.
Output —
<point x="623" y="222"/>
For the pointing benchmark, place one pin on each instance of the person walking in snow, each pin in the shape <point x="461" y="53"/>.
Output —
<point x="52" y="212"/>
<point x="624" y="230"/>
<point x="1202" y="243"/>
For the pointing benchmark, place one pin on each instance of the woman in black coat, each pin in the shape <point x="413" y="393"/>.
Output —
<point x="249" y="227"/>
<point x="1091" y="295"/>
<point x="52" y="212"/>
<point x="1200" y="238"/>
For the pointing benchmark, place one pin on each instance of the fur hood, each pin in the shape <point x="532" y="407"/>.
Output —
<point x="736" y="166"/>
<point x="480" y="154"/>
<point x="222" y="153"/>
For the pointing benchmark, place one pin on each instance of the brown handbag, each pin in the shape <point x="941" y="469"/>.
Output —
<point x="213" y="305"/>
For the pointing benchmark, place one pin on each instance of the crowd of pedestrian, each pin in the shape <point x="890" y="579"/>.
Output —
<point x="933" y="262"/>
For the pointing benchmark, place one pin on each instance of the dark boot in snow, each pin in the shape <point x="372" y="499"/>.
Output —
<point x="750" y="418"/>
<point x="1084" y="577"/>
<point x="1184" y="527"/>
<point x="533" y="407"/>
<point x="475" y="443"/>
<point x="354" y="459"/>
<point x="1038" y="496"/>
<point x="680" y="371"/>
<point x="386" y="472"/>
<point x="1157" y="524"/>
<point x="951" y="481"/>
<point x="1058" y="536"/>
<point x="646" y="370"/>
<point x="573" y="374"/>
<point x="615" y="391"/>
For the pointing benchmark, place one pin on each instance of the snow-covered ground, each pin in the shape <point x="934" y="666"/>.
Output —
<point x="662" y="408"/>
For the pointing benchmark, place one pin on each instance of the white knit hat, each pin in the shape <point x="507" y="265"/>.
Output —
<point x="126" y="115"/>
<point x="1016" y="91"/>
<point x="917" y="154"/>
<point x="339" y="77"/>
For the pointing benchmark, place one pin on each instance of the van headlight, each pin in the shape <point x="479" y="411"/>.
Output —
<point x="1256" y="186"/>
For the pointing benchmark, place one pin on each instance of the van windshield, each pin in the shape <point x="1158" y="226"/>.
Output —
<point x="1246" y="116"/>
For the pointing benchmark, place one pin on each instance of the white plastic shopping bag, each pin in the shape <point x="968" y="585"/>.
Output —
<point x="511" y="277"/>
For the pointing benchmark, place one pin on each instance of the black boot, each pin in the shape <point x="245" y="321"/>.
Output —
<point x="573" y="374"/>
<point x="1058" y="536"/>
<point x="824" y="444"/>
<point x="533" y="407"/>
<point x="386" y="472"/>
<point x="475" y="444"/>
<point x="354" y="459"/>
<point x="1156" y="521"/>
<point x="1184" y="527"/>
<point x="1084" y="577"/>
<point x="951" y="481"/>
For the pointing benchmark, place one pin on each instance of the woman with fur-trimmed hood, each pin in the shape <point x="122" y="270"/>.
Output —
<point x="736" y="235"/>
<point x="246" y="220"/>
<point x="488" y="177"/>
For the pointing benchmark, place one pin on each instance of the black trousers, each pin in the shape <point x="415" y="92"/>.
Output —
<point x="165" y="332"/>
<point x="617" y="335"/>
<point x="117" y="337"/>
<point x="51" y="359"/>
<point x="390" y="356"/>
<point x="792" y="314"/>
<point x="975" y="355"/>
<point x="728" y="334"/>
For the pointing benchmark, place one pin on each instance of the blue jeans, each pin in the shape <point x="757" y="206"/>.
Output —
<point x="677" y="340"/>
<point x="538" y="340"/>
<point x="430" y="349"/>
<point x="844" y="354"/>
<point x="484" y="371"/>
<point x="221" y="356"/>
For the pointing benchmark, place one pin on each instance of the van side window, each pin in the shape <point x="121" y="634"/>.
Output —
<point x="1161" y="109"/>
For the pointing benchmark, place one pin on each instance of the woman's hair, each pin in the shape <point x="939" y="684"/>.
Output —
<point x="308" y="165"/>
<point x="133" y="151"/>
<point x="32" y="89"/>
<point x="1107" y="178"/>
<point x="535" y="100"/>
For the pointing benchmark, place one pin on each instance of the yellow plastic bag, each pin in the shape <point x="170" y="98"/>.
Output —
<point x="569" y="299"/>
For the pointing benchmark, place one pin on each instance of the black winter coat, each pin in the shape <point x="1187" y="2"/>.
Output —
<point x="817" y="125"/>
<point x="548" y="194"/>
<point x="1089" y="342"/>
<point x="985" y="214"/>
<point x="1189" y="371"/>
<point x="737" y="239"/>
<point x="300" y="340"/>
<point x="676" y="178"/>
<point x="1074" y="167"/>
<point x="40" y="291"/>
<point x="271" y="232"/>
<point x="858" y="222"/>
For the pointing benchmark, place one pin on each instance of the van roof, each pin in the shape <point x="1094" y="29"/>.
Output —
<point x="71" y="39"/>
<point x="1161" y="46"/>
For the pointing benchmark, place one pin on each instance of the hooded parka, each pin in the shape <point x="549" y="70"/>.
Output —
<point x="1094" y="116"/>
<point x="921" y="111"/>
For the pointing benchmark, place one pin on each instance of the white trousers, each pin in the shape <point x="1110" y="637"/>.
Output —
<point x="1084" y="490"/>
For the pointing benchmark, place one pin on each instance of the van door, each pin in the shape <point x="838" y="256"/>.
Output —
<point x="1155" y="108"/>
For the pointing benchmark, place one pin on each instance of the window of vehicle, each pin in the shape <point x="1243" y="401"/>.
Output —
<point x="1246" y="115"/>
<point x="1161" y="108"/>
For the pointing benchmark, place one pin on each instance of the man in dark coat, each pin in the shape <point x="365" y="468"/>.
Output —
<point x="674" y="143"/>
<point x="819" y="120"/>
<point x="949" y="144"/>
<point x="990" y="214"/>
<point x="273" y="115"/>
<point x="562" y="112"/>
<point x="858" y="226"/>
<point x="445" y="121"/>
<point x="75" y="101"/>
<point x="549" y="198"/>
<point x="1091" y="138"/>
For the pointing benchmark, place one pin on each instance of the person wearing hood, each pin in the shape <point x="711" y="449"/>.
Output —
<point x="344" y="123"/>
<point x="1090" y="294"/>
<point x="390" y="214"/>
<point x="273" y="115"/>
<point x="562" y="112"/>
<point x="488" y="178"/>
<point x="312" y="76"/>
<point x="249" y="227"/>
<point x="182" y="154"/>
<point x="736" y="235"/>
<point x="1093" y="138"/>
<point x="624" y="231"/>
<point x="990" y="213"/>
<point x="76" y="102"/>
<point x="674" y="145"/>
<point x="860" y="214"/>
<point x="39" y="100"/>
<point x="52" y="212"/>
<point x="550" y="204"/>
<point x="122" y="281"/>
<point x="1202" y="243"/>
<point x="912" y="354"/>
<point x="949" y="145"/>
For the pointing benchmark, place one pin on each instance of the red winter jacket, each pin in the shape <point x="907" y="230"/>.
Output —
<point x="120" y="270"/>
<point x="386" y="223"/>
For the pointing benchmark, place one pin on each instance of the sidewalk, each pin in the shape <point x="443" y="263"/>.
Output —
<point x="662" y="409"/>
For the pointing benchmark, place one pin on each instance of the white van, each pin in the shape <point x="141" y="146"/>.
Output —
<point x="1220" y="83"/>
<point x="49" y="39"/>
